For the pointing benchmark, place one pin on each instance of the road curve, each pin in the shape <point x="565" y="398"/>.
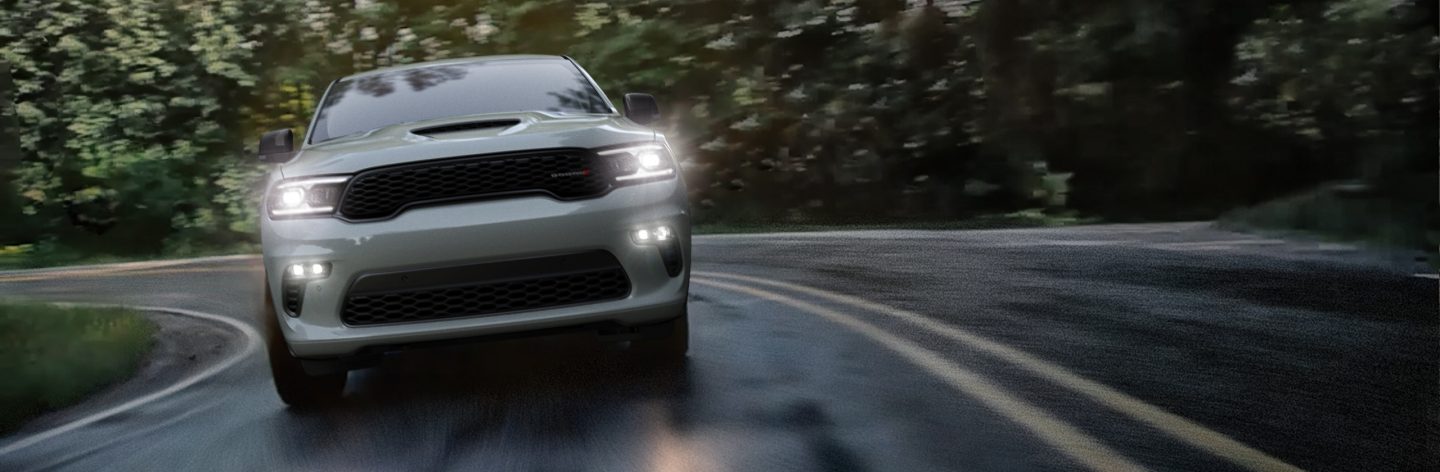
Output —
<point x="1120" y="347"/>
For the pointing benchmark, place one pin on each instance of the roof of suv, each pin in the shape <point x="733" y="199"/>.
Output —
<point x="462" y="60"/>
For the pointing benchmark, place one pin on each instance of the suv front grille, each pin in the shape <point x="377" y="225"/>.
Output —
<point x="486" y="289"/>
<point x="385" y="191"/>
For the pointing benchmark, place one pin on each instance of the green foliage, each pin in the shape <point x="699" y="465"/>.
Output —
<point x="128" y="109"/>
<point x="137" y="118"/>
<point x="1407" y="220"/>
<point x="1356" y="74"/>
<point x="53" y="356"/>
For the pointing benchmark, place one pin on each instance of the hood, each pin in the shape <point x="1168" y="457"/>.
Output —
<point x="463" y="136"/>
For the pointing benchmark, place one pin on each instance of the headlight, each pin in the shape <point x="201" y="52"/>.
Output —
<point x="306" y="197"/>
<point x="640" y="163"/>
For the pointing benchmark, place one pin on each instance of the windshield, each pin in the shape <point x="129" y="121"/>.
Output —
<point x="369" y="102"/>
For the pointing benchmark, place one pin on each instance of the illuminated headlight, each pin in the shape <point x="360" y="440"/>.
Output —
<point x="306" y="197"/>
<point x="652" y="235"/>
<point x="649" y="159"/>
<point x="307" y="271"/>
<point x="640" y="163"/>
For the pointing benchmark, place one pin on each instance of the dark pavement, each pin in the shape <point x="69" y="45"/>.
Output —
<point x="1167" y="347"/>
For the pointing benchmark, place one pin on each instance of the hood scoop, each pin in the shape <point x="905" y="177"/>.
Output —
<point x="466" y="126"/>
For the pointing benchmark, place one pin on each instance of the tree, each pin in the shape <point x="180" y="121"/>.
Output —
<point x="125" y="107"/>
<point x="1354" y="80"/>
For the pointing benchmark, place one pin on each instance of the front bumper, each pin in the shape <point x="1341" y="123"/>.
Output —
<point x="477" y="233"/>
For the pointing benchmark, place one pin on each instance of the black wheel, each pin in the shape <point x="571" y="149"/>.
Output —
<point x="296" y="388"/>
<point x="670" y="347"/>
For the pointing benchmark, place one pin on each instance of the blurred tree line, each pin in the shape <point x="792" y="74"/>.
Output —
<point x="134" y="121"/>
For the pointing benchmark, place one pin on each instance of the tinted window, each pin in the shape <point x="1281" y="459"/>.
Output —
<point x="378" y="100"/>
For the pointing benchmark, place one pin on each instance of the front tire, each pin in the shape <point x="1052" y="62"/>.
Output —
<point x="296" y="388"/>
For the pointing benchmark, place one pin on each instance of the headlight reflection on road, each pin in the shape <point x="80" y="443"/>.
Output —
<point x="669" y="450"/>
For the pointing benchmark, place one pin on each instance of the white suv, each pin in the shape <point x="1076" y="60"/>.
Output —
<point x="464" y="199"/>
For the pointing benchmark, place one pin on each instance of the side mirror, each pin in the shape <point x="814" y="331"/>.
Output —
<point x="641" y="108"/>
<point x="277" y="146"/>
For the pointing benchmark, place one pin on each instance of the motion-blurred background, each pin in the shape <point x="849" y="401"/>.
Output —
<point x="130" y="125"/>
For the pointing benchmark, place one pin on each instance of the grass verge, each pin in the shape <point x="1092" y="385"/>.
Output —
<point x="1351" y="213"/>
<point x="53" y="356"/>
<point x="34" y="256"/>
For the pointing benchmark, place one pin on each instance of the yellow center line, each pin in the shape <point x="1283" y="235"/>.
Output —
<point x="1064" y="437"/>
<point x="1176" y="426"/>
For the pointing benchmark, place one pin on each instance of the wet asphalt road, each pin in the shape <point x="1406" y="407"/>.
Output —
<point x="1167" y="347"/>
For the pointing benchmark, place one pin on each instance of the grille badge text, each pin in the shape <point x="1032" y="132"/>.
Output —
<point x="578" y="173"/>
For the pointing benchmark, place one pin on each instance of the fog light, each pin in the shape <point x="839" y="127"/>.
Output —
<point x="652" y="235"/>
<point x="308" y="271"/>
<point x="662" y="238"/>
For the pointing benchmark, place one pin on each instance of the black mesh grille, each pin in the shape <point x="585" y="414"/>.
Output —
<point x="487" y="298"/>
<point x="383" y="192"/>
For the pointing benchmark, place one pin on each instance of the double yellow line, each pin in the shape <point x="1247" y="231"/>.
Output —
<point x="1069" y="440"/>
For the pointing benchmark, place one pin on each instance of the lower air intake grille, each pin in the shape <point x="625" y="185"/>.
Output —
<point x="482" y="297"/>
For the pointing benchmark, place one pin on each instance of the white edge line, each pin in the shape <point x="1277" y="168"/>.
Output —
<point x="1105" y="228"/>
<point x="252" y="339"/>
